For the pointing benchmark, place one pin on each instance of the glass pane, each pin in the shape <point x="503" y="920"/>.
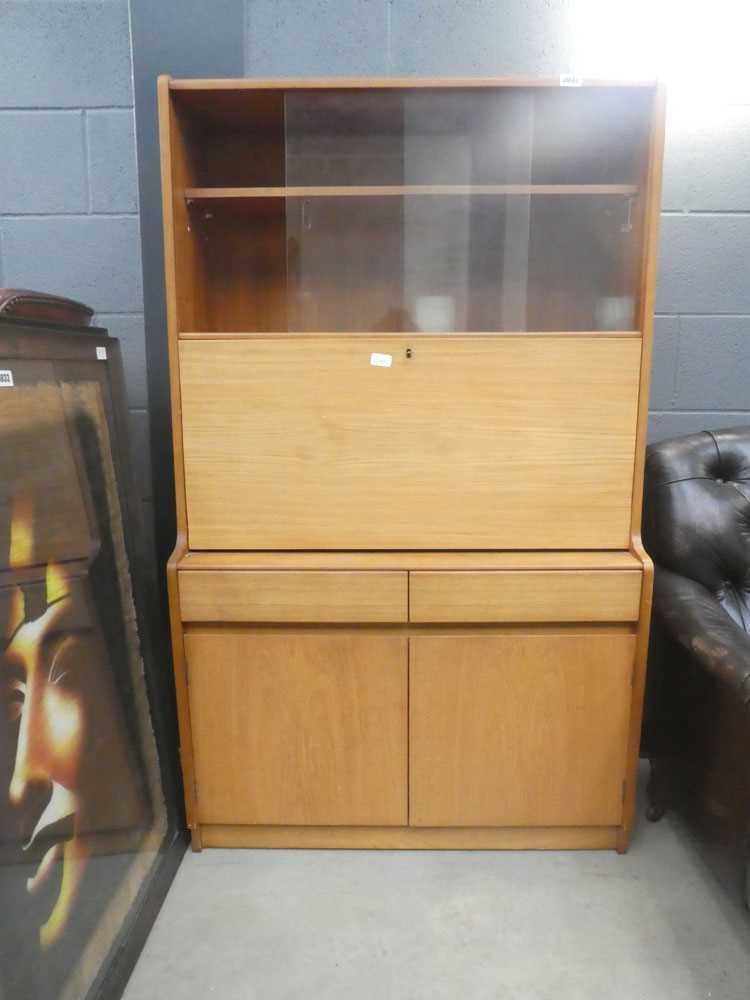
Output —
<point x="580" y="273"/>
<point x="391" y="137"/>
<point x="464" y="263"/>
<point x="344" y="264"/>
<point x="459" y="263"/>
<point x="590" y="135"/>
<point x="343" y="137"/>
<point x="505" y="209"/>
<point x="476" y="137"/>
<point x="394" y="264"/>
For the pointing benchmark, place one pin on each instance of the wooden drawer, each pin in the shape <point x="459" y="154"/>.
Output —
<point x="289" y="596"/>
<point x="525" y="596"/>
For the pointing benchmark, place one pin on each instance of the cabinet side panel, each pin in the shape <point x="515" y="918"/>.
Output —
<point x="171" y="204"/>
<point x="178" y="653"/>
<point x="653" y="185"/>
<point x="182" y="699"/>
<point x="648" y="293"/>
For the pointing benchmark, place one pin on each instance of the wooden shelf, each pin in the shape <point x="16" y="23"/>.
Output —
<point x="406" y="190"/>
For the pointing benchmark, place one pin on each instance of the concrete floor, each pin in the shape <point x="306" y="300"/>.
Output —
<point x="324" y="925"/>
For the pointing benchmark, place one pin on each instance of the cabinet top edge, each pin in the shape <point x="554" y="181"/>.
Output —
<point x="402" y="83"/>
<point x="413" y="335"/>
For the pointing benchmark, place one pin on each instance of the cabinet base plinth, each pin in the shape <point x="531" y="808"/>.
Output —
<point x="581" y="838"/>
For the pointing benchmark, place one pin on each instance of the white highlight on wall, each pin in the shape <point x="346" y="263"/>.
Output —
<point x="698" y="49"/>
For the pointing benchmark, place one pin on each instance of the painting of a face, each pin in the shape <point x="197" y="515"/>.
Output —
<point x="75" y="803"/>
<point x="44" y="662"/>
<point x="72" y="786"/>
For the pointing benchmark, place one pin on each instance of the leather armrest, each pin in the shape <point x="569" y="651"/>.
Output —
<point x="694" y="618"/>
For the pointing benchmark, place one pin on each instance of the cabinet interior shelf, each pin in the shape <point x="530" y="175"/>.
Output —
<point x="405" y="190"/>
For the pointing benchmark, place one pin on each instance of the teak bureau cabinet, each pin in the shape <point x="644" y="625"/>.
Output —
<point x="410" y="331"/>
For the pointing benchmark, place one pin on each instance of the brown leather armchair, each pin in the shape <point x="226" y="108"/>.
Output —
<point x="696" y="528"/>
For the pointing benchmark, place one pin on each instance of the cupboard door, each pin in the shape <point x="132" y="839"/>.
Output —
<point x="470" y="442"/>
<point x="299" y="728"/>
<point x="518" y="730"/>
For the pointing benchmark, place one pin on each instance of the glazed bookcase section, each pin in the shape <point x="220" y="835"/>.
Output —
<point x="271" y="137"/>
<point x="429" y="263"/>
<point x="412" y="210"/>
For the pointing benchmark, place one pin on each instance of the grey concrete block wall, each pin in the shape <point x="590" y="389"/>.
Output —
<point x="397" y="38"/>
<point x="27" y="184"/>
<point x="706" y="159"/>
<point x="110" y="142"/>
<point x="128" y="328"/>
<point x="721" y="342"/>
<point x="703" y="289"/>
<point x="65" y="54"/>
<point x="355" y="36"/>
<point x="664" y="361"/>
<point x="92" y="258"/>
<point x="476" y="37"/>
<point x="701" y="372"/>
<point x="68" y="192"/>
<point x="703" y="263"/>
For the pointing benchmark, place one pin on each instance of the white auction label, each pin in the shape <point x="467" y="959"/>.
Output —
<point x="6" y="378"/>
<point x="101" y="354"/>
<point x="381" y="360"/>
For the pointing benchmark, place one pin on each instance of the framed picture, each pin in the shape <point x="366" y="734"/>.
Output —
<point x="86" y="798"/>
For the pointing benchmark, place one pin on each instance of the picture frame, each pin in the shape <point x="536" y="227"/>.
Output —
<point x="90" y="816"/>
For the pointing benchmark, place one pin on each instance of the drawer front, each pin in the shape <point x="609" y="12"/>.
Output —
<point x="289" y="596"/>
<point x="525" y="596"/>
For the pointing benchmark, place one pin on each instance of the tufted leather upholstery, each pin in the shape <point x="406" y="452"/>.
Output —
<point x="696" y="527"/>
<point x="697" y="530"/>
